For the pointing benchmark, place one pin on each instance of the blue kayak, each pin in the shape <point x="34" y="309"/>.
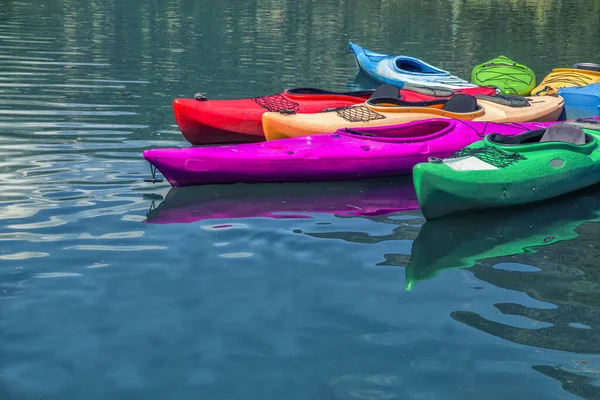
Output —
<point x="581" y="101"/>
<point x="404" y="71"/>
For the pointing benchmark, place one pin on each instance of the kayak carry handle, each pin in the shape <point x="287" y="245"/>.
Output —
<point x="154" y="179"/>
<point x="200" y="97"/>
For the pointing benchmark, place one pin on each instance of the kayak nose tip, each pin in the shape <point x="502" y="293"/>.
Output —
<point x="152" y="155"/>
<point x="180" y="104"/>
<point x="353" y="48"/>
<point x="148" y="154"/>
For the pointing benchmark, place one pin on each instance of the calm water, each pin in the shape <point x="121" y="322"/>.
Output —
<point x="116" y="288"/>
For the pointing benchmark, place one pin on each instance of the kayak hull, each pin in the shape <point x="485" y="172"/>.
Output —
<point x="388" y="69"/>
<point x="239" y="121"/>
<point x="565" y="77"/>
<point x="581" y="101"/>
<point x="505" y="74"/>
<point x="470" y="181"/>
<point x="280" y="126"/>
<point x="207" y="121"/>
<point x="341" y="155"/>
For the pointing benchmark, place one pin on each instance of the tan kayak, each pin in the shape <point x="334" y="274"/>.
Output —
<point x="565" y="77"/>
<point x="388" y="111"/>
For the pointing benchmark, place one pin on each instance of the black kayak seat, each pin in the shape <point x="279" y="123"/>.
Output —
<point x="386" y="91"/>
<point x="461" y="103"/>
<point x="568" y="133"/>
<point x="527" y="137"/>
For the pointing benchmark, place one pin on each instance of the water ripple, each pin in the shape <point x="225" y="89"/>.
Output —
<point x="49" y="275"/>
<point x="61" y="112"/>
<point x="90" y="247"/>
<point x="23" y="255"/>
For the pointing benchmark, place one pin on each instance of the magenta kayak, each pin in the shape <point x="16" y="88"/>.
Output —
<point x="341" y="155"/>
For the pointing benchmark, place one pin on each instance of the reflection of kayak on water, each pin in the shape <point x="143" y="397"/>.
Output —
<point x="294" y="200"/>
<point x="461" y="241"/>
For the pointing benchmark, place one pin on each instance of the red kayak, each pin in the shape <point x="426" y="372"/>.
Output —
<point x="204" y="121"/>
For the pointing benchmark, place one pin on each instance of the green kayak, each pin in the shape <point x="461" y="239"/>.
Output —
<point x="501" y="171"/>
<point x="462" y="241"/>
<point x="505" y="74"/>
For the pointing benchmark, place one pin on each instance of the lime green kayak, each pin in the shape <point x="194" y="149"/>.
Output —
<point x="505" y="74"/>
<point x="501" y="171"/>
<point x="462" y="241"/>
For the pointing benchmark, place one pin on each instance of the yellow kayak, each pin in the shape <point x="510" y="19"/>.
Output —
<point x="565" y="77"/>
<point x="389" y="111"/>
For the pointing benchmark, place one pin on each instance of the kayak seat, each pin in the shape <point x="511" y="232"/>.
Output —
<point x="565" y="132"/>
<point x="386" y="91"/>
<point x="532" y="136"/>
<point x="461" y="103"/>
<point x="568" y="133"/>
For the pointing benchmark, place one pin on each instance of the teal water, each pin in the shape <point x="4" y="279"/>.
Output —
<point x="112" y="287"/>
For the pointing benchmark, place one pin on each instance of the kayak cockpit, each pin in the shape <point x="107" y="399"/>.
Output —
<point x="587" y="66"/>
<point x="412" y="132"/>
<point x="307" y="91"/>
<point x="416" y="66"/>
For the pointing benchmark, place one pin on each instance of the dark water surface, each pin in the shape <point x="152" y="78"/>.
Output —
<point x="328" y="291"/>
